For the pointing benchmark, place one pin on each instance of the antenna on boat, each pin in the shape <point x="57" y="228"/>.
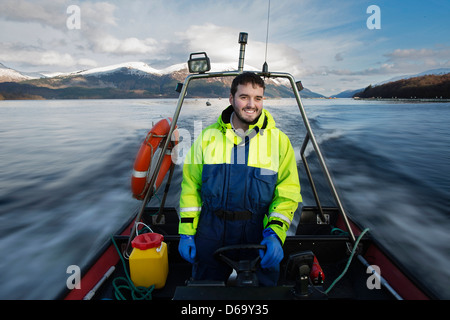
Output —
<point x="243" y="37"/>
<point x="265" y="68"/>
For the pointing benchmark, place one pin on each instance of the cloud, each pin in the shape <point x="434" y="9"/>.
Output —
<point x="56" y="45"/>
<point x="53" y="13"/>
<point x="47" y="12"/>
<point x="409" y="54"/>
<point x="105" y="30"/>
<point x="399" y="61"/>
<point x="420" y="58"/>
<point x="313" y="40"/>
<point x="98" y="14"/>
<point x="338" y="57"/>
<point x="221" y="45"/>
<point x="31" y="55"/>
<point x="111" y="44"/>
<point x="99" y="25"/>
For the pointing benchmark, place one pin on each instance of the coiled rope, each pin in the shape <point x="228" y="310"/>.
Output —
<point x="137" y="293"/>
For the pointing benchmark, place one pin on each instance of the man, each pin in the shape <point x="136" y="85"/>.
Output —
<point x="240" y="186"/>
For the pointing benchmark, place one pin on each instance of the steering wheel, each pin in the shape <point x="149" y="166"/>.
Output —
<point x="245" y="269"/>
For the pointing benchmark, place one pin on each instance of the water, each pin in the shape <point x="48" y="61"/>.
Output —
<point x="65" y="171"/>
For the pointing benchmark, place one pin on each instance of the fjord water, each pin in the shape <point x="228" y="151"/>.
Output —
<point x="65" y="168"/>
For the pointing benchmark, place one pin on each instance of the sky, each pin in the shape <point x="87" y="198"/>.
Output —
<point x="331" y="46"/>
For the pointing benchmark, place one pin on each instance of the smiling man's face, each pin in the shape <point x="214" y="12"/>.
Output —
<point x="247" y="104"/>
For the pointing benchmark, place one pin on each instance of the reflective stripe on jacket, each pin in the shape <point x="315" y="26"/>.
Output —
<point x="226" y="175"/>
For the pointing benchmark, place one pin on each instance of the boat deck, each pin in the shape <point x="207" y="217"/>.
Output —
<point x="331" y="251"/>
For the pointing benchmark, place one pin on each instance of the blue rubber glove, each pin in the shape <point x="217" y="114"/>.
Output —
<point x="187" y="248"/>
<point x="274" y="252"/>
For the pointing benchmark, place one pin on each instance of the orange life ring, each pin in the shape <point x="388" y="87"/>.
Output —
<point x="144" y="166"/>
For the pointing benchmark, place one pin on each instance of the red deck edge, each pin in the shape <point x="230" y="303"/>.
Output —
<point x="108" y="259"/>
<point x="397" y="279"/>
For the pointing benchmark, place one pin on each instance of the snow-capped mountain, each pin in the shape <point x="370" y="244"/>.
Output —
<point x="136" y="67"/>
<point x="133" y="80"/>
<point x="130" y="66"/>
<point x="11" y="75"/>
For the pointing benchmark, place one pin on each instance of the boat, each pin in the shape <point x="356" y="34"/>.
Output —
<point x="329" y="256"/>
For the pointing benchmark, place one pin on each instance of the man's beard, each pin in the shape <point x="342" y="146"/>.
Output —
<point x="238" y="115"/>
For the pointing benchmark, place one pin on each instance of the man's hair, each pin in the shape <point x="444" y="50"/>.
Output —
<point x="244" y="78"/>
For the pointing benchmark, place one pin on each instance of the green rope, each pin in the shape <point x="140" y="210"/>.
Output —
<point x="137" y="293"/>
<point x="337" y="231"/>
<point x="348" y="262"/>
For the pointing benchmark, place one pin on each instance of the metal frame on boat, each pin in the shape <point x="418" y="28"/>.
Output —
<point x="345" y="279"/>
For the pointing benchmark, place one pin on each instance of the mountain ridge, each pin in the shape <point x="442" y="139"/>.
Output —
<point x="430" y="86"/>
<point x="352" y="92"/>
<point x="128" y="80"/>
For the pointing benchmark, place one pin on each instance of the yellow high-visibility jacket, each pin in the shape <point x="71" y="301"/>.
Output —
<point x="252" y="179"/>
